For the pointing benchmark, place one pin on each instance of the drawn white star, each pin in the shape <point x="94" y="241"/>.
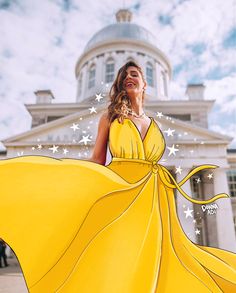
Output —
<point x="194" y="221"/>
<point x="40" y="146"/>
<point x="197" y="231"/>
<point x="85" y="139"/>
<point x="178" y="170"/>
<point x="99" y="97"/>
<point x="54" y="149"/>
<point x="159" y="114"/>
<point x="169" y="132"/>
<point x="33" y="148"/>
<point x="92" y="110"/>
<point x="188" y="213"/>
<point x="198" y="180"/>
<point x="172" y="150"/>
<point x="75" y="126"/>
<point x="210" y="176"/>
<point x="65" y="151"/>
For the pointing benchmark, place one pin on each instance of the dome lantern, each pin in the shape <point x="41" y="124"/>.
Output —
<point x="124" y="15"/>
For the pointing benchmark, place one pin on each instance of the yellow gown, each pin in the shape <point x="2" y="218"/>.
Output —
<point x="77" y="226"/>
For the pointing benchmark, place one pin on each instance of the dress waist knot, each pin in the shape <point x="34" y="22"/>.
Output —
<point x="169" y="181"/>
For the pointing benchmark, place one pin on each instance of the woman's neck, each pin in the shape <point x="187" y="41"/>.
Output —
<point x="136" y="105"/>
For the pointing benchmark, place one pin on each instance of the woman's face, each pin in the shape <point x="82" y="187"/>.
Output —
<point x="133" y="82"/>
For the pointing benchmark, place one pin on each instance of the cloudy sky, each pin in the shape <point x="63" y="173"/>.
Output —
<point x="41" y="41"/>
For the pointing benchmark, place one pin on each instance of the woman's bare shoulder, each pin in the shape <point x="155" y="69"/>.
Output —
<point x="104" y="119"/>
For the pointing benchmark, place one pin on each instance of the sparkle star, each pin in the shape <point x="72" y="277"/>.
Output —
<point x="92" y="110"/>
<point x="85" y="139"/>
<point x="178" y="170"/>
<point x="197" y="231"/>
<point x="188" y="213"/>
<point x="39" y="146"/>
<point x="198" y="180"/>
<point x="65" y="151"/>
<point x="210" y="176"/>
<point x="169" y="132"/>
<point x="159" y="114"/>
<point x="54" y="149"/>
<point x="99" y="97"/>
<point x="172" y="150"/>
<point x="75" y="126"/>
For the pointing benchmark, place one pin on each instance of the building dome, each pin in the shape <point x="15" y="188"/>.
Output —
<point x="110" y="48"/>
<point x="121" y="30"/>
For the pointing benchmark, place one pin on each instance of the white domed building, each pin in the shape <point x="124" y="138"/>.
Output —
<point x="113" y="46"/>
<point x="69" y="129"/>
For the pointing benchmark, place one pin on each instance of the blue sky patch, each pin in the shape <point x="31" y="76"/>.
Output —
<point x="230" y="40"/>
<point x="137" y="6"/>
<point x="5" y="4"/>
<point x="165" y="19"/>
<point x="197" y="48"/>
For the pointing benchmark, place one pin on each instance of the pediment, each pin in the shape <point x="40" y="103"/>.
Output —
<point x="60" y="131"/>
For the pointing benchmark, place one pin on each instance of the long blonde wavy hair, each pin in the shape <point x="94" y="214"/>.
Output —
<point x="120" y="104"/>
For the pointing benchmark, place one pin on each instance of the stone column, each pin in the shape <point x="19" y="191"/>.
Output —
<point x="158" y="81"/>
<point x="224" y="215"/>
<point x="99" y="73"/>
<point x="183" y="204"/>
<point x="210" y="219"/>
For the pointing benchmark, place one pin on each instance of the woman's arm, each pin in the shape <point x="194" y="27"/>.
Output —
<point x="100" y="147"/>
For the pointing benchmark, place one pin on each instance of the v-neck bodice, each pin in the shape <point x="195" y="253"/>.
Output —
<point x="151" y="120"/>
<point x="125" y="141"/>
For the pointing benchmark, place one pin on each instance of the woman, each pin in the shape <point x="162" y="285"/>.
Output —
<point x="77" y="226"/>
<point x="127" y="97"/>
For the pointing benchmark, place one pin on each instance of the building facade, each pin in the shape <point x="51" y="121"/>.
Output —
<point x="69" y="129"/>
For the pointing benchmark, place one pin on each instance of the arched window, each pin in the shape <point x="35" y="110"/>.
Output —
<point x="163" y="85"/>
<point x="110" y="70"/>
<point x="80" y="84"/>
<point x="91" y="79"/>
<point x="149" y="74"/>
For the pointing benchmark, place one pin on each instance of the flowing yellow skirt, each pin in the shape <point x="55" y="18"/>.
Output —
<point x="77" y="226"/>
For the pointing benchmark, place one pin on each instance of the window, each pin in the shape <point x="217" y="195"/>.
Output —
<point x="91" y="81"/>
<point x="80" y="84"/>
<point x="149" y="74"/>
<point x="196" y="186"/>
<point x="110" y="68"/>
<point x="163" y="84"/>
<point x="52" y="118"/>
<point x="183" y="117"/>
<point x="231" y="175"/>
